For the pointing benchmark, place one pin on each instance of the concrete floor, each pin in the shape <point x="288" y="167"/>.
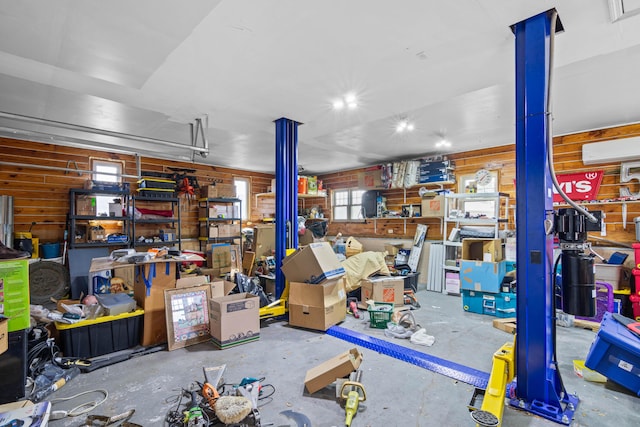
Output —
<point x="398" y="393"/>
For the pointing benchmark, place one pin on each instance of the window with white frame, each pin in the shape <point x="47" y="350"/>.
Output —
<point x="106" y="171"/>
<point x="347" y="205"/>
<point x="243" y="190"/>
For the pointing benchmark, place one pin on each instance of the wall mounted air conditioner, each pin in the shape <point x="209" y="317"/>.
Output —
<point x="617" y="150"/>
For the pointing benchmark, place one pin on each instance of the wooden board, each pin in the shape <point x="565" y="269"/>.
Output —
<point x="248" y="262"/>
<point x="507" y="324"/>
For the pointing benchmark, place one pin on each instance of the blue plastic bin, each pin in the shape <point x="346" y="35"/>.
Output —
<point x="615" y="353"/>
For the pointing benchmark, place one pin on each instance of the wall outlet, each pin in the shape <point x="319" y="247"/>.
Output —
<point x="390" y="231"/>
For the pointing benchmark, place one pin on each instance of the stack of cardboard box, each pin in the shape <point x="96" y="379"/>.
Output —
<point x="317" y="298"/>
<point x="482" y="271"/>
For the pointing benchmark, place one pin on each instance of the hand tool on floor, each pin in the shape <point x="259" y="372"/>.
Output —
<point x="213" y="379"/>
<point x="411" y="299"/>
<point x="104" y="421"/>
<point x="352" y="303"/>
<point x="193" y="416"/>
<point x="301" y="419"/>
<point x="354" y="393"/>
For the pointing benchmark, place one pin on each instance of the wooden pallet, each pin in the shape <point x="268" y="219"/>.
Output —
<point x="509" y="324"/>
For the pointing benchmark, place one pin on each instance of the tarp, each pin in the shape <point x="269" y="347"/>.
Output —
<point x="361" y="266"/>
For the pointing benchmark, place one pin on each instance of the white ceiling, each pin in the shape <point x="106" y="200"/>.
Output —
<point x="150" y="67"/>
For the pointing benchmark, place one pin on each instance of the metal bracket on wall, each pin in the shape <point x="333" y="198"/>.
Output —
<point x="199" y="130"/>
<point x="75" y="165"/>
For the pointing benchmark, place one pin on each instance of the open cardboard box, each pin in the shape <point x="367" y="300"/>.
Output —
<point x="219" y="287"/>
<point x="317" y="306"/>
<point x="327" y="372"/>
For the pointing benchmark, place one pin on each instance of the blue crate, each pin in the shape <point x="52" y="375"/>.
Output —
<point x="499" y="305"/>
<point x="492" y="304"/>
<point x="615" y="353"/>
<point x="472" y="301"/>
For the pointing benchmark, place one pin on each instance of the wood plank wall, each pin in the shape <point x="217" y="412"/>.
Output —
<point x="42" y="196"/>
<point x="567" y="155"/>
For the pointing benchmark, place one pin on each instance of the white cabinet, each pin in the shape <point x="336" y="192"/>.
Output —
<point x="479" y="215"/>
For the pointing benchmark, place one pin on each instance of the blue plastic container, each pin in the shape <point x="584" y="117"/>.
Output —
<point x="50" y="250"/>
<point x="615" y="353"/>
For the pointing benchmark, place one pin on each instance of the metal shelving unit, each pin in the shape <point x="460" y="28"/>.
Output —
<point x="208" y="222"/>
<point x="174" y="221"/>
<point x="456" y="216"/>
<point x="76" y="220"/>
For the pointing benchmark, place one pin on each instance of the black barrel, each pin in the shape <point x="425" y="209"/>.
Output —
<point x="578" y="284"/>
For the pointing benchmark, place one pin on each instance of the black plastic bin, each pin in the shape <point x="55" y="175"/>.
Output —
<point x="13" y="368"/>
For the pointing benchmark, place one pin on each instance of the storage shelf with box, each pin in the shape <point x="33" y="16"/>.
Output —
<point x="168" y="215"/>
<point x="219" y="220"/>
<point x="458" y="207"/>
<point x="87" y="228"/>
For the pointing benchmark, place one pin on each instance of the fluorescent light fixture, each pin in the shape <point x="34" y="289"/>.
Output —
<point x="443" y="143"/>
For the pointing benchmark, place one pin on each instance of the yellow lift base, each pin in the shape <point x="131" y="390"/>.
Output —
<point x="502" y="373"/>
<point x="279" y="307"/>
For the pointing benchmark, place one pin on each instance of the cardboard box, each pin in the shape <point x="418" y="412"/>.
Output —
<point x="615" y="275"/>
<point x="234" y="319"/>
<point x="383" y="289"/>
<point x="370" y="178"/>
<point x="314" y="263"/>
<point x="228" y="230"/>
<point x="264" y="240"/>
<point x="327" y="372"/>
<point x="219" y="255"/>
<point x="86" y="205"/>
<point x="207" y="212"/>
<point x="487" y="250"/>
<point x="219" y="288"/>
<point x="4" y="334"/>
<point x="115" y="209"/>
<point x="433" y="207"/>
<point x="317" y="306"/>
<point x="96" y="233"/>
<point x="151" y="280"/>
<point x="218" y="190"/>
<point x="452" y="282"/>
<point x="482" y="276"/>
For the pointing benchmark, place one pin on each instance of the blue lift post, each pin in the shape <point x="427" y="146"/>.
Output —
<point x="538" y="386"/>
<point x="286" y="194"/>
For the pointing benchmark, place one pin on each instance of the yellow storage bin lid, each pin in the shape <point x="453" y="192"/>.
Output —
<point x="102" y="319"/>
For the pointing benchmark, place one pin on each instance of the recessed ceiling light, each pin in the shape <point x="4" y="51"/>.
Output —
<point x="349" y="100"/>
<point x="443" y="143"/>
<point x="404" y="125"/>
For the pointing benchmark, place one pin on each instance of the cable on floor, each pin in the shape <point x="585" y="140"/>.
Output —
<point x="81" y="409"/>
